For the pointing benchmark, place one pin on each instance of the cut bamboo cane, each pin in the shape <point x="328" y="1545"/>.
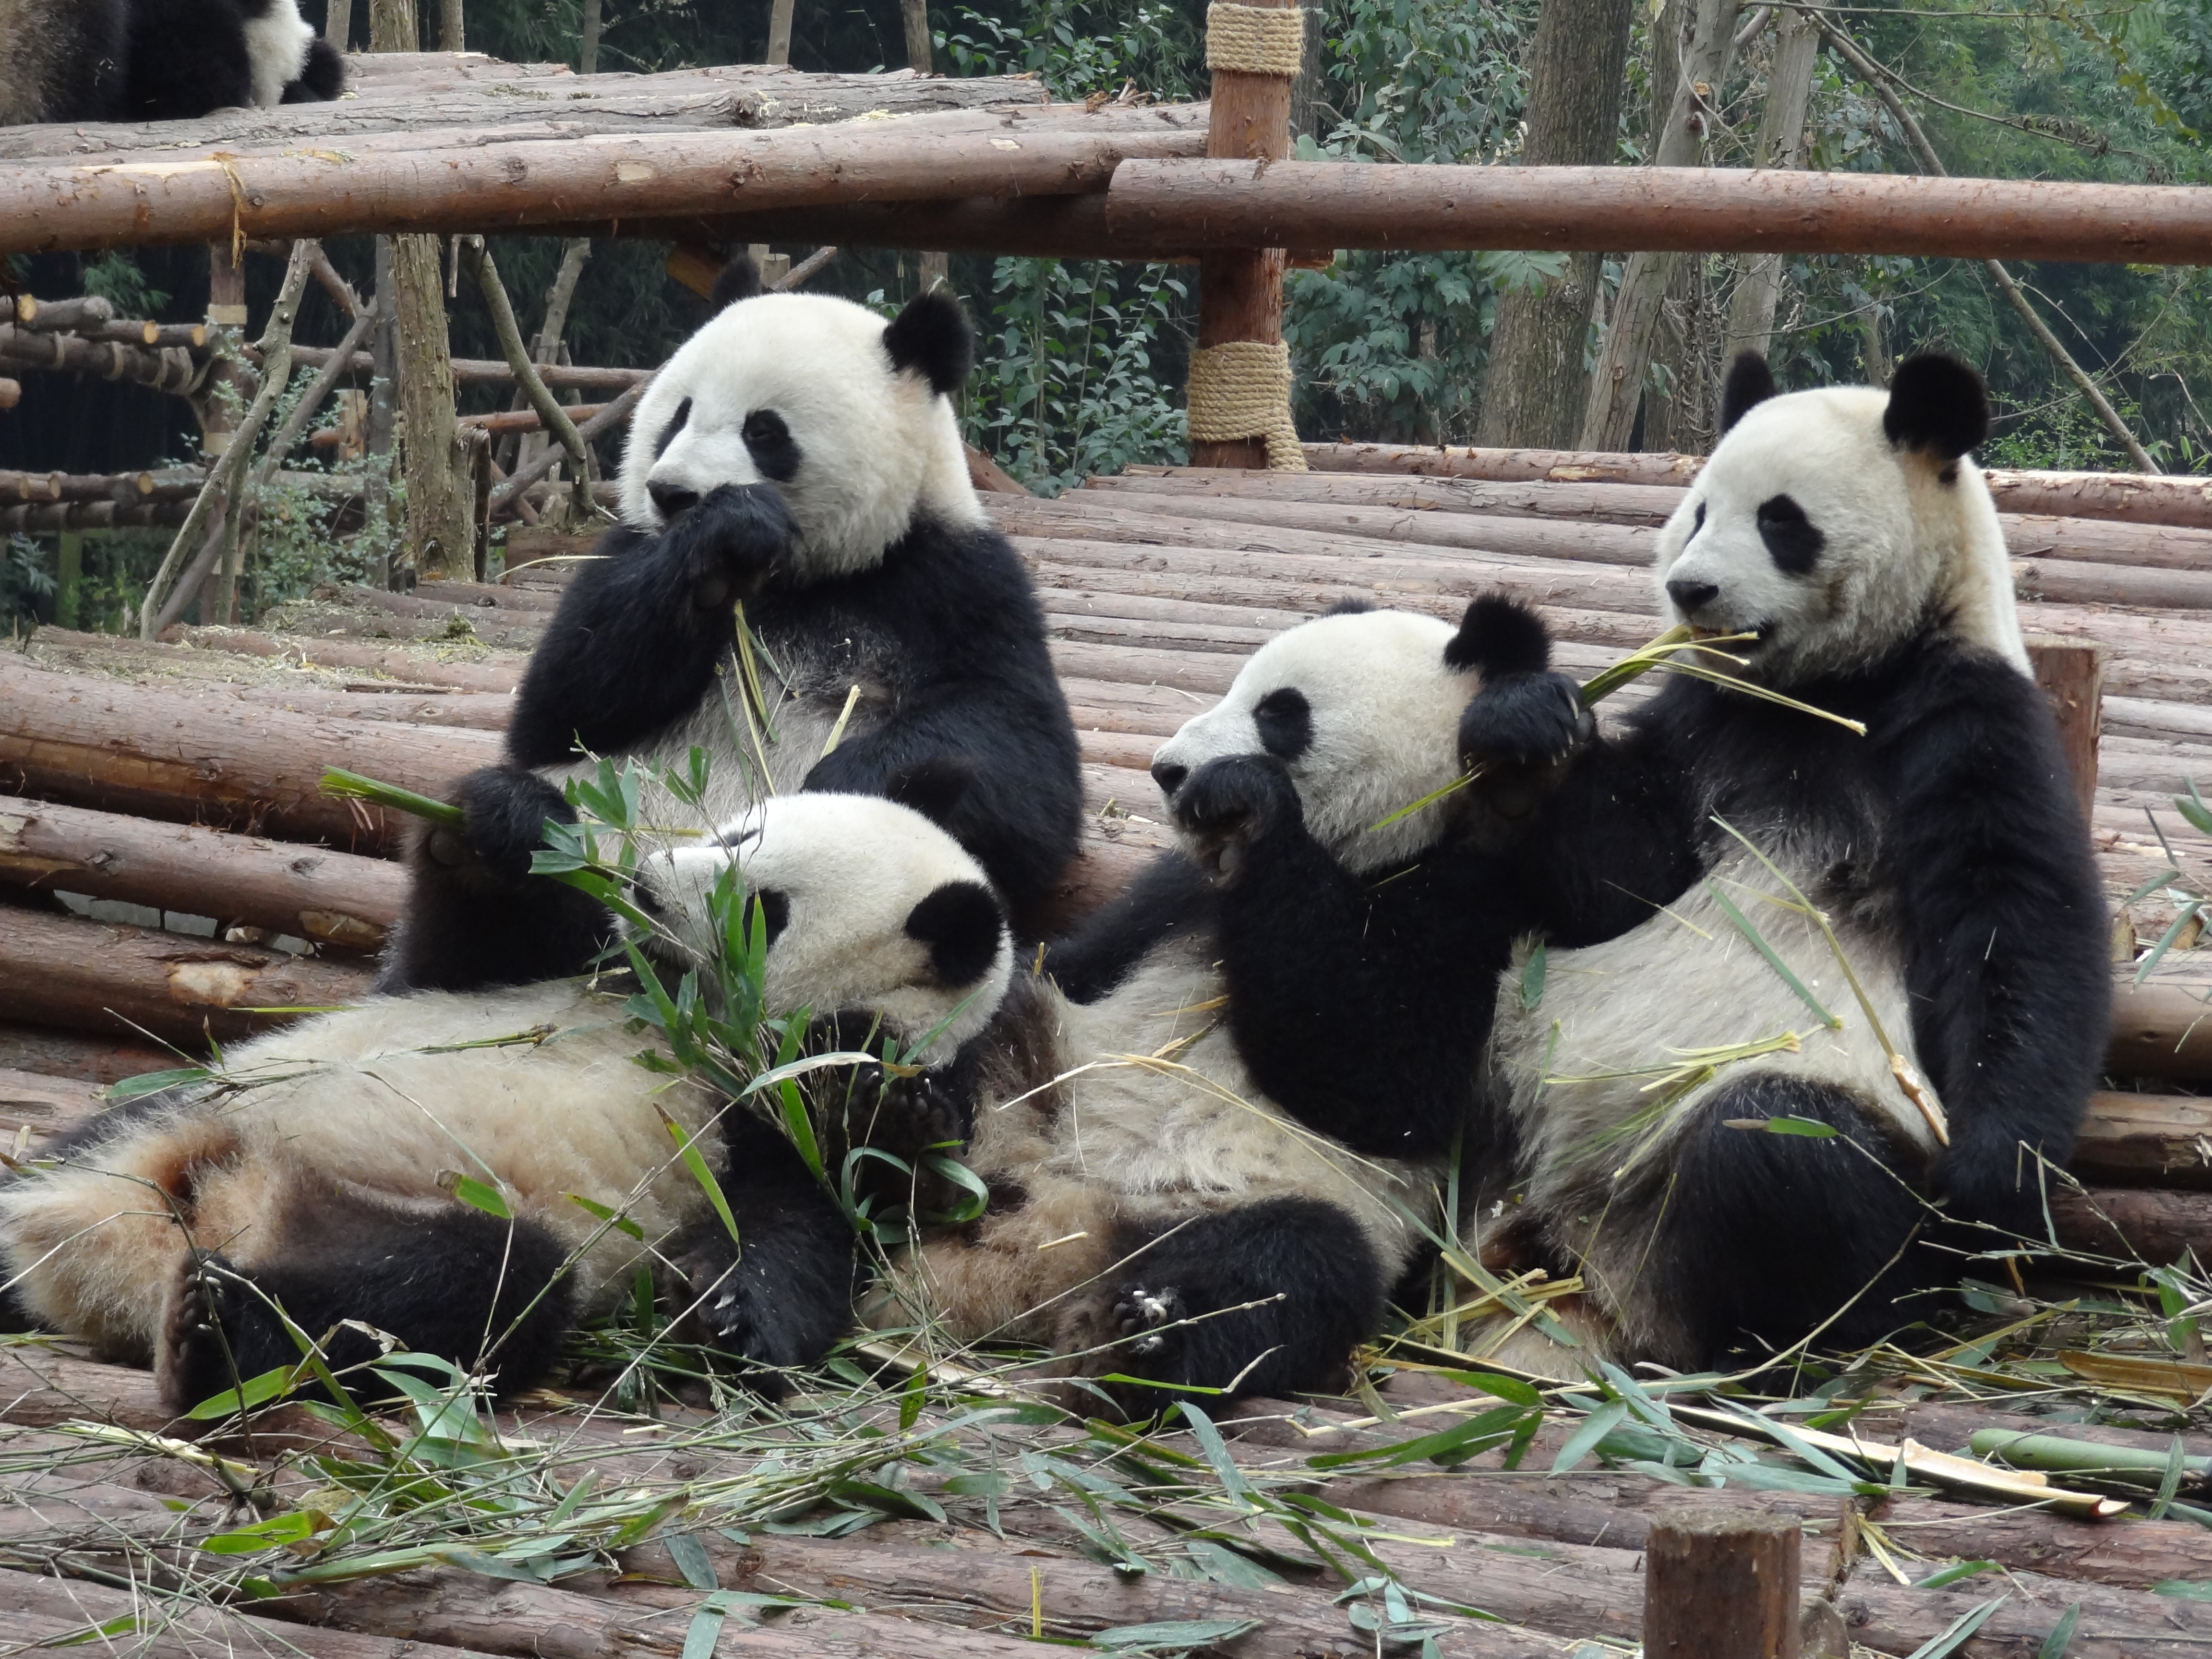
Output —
<point x="139" y="981"/>
<point x="333" y="898"/>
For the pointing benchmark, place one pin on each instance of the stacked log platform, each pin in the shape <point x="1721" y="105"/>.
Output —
<point x="169" y="789"/>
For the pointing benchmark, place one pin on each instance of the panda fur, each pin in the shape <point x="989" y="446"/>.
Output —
<point x="801" y="456"/>
<point x="1211" y="1125"/>
<point x="154" y="60"/>
<point x="1850" y="531"/>
<point x="311" y="1172"/>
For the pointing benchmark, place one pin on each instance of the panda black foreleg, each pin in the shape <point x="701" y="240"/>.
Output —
<point x="475" y="917"/>
<point x="448" y="1281"/>
<point x="1269" y="1298"/>
<point x="1360" y="1008"/>
<point x="780" y="1293"/>
<point x="635" y="642"/>
<point x="1764" y="1238"/>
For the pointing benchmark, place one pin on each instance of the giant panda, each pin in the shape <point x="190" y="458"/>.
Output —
<point x="800" y="456"/>
<point x="1213" y="1122"/>
<point x="157" y="60"/>
<point x="1849" y="531"/>
<point x="311" y="1173"/>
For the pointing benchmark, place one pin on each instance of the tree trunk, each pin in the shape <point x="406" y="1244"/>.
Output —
<point x="337" y="22"/>
<point x="779" y="32"/>
<point x="452" y="31"/>
<point x="916" y="15"/>
<point x="392" y="26"/>
<point x="1781" y="144"/>
<point x="1610" y="414"/>
<point x="1538" y="378"/>
<point x="439" y="532"/>
<point x="587" y="55"/>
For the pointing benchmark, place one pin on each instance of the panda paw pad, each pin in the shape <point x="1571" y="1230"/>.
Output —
<point x="921" y="1112"/>
<point x="1144" y="1318"/>
<point x="1524" y="719"/>
<point x="1231" y="802"/>
<point x="193" y="1361"/>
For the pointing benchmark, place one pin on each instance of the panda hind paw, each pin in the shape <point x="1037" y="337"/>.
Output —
<point x="1147" y="1319"/>
<point x="193" y="1360"/>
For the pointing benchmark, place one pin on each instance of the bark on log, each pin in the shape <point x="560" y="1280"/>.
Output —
<point x="2146" y="1140"/>
<point x="474" y="711"/>
<point x="485" y="371"/>
<point x="333" y="898"/>
<point x="1202" y="205"/>
<point x="125" y="981"/>
<point x="2156" y="1227"/>
<point x="523" y="420"/>
<point x="52" y="517"/>
<point x="504" y="186"/>
<point x="164" y="370"/>
<point x="2129" y="497"/>
<point x="2072" y="675"/>
<point x="181" y="755"/>
<point x="71" y="1054"/>
<point x="45" y="1105"/>
<point x="492" y="674"/>
<point x="2163" y="1027"/>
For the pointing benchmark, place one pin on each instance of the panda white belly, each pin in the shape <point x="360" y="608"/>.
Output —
<point x="532" y="1091"/>
<point x="750" y="758"/>
<point x="1618" y="1026"/>
<point x="1140" y="1114"/>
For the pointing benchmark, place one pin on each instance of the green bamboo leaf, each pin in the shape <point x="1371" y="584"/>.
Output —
<point x="1584" y="1440"/>
<point x="697" y="1165"/>
<point x="152" y="1083"/>
<point x="1953" y="1573"/>
<point x="1742" y="925"/>
<point x="477" y="1194"/>
<point x="2062" y="1634"/>
<point x="1532" y="978"/>
<point x="621" y="1224"/>
<point x="256" y="1390"/>
<point x="1952" y="1640"/>
<point x="352" y="785"/>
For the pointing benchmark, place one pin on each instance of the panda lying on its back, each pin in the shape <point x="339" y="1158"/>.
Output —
<point x="1212" y="1169"/>
<point x="158" y="60"/>
<point x="800" y="457"/>
<point x="1848" y="530"/>
<point x="312" y="1174"/>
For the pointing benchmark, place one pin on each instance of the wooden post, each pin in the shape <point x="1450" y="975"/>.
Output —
<point x="392" y="26"/>
<point x="587" y="54"/>
<point x="779" y="33"/>
<point x="1720" y="1585"/>
<point x="1240" y="293"/>
<point x="382" y="426"/>
<point x="438" y="529"/>
<point x="453" y="33"/>
<point x="337" y="22"/>
<point x="2072" y="674"/>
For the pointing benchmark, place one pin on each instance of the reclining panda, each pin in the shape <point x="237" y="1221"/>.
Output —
<point x="158" y="60"/>
<point x="798" y="457"/>
<point x="1213" y="1125"/>
<point x="313" y="1174"/>
<point x="1849" y="532"/>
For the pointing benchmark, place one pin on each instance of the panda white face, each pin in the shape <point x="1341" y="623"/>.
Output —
<point x="1363" y="712"/>
<point x="818" y="396"/>
<point x="868" y="905"/>
<point x="1837" y="524"/>
<point x="276" y="42"/>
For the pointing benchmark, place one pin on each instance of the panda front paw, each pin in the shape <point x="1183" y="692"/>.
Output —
<point x="743" y="1308"/>
<point x="1517" y="737"/>
<point x="729" y="543"/>
<point x="503" y="814"/>
<point x="210" y="1341"/>
<point x="1231" y="802"/>
<point x="1147" y="1319"/>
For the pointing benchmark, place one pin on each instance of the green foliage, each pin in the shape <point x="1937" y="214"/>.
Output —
<point x="117" y="277"/>
<point x="1078" y="47"/>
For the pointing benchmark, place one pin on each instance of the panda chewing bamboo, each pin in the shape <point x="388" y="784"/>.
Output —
<point x="1849" y="532"/>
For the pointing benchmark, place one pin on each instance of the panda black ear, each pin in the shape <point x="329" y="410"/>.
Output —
<point x="1348" y="608"/>
<point x="935" y="787"/>
<point x="1500" y="636"/>
<point x="1936" y="404"/>
<point x="932" y="338"/>
<point x="1750" y="383"/>
<point x="739" y="280"/>
<point x="961" y="925"/>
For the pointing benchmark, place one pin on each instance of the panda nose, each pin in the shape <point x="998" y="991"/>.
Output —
<point x="672" y="498"/>
<point x="1689" y="596"/>
<point x="1169" y="775"/>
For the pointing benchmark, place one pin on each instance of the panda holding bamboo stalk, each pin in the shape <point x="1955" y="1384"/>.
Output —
<point x="1796" y="982"/>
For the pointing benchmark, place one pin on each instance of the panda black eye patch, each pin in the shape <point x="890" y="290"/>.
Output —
<point x="1793" y="541"/>
<point x="774" y="451"/>
<point x="1286" y="722"/>
<point x="774" y="910"/>
<point x="668" y="433"/>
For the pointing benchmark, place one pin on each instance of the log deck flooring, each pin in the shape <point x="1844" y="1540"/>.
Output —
<point x="154" y="778"/>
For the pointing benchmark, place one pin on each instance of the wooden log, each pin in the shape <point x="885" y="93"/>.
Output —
<point x="1207" y="204"/>
<point x="2163" y="1027"/>
<point x="60" y="316"/>
<point x="1648" y="505"/>
<point x="333" y="898"/>
<point x="476" y="711"/>
<point x="125" y="981"/>
<point x="1062" y="227"/>
<point x="2129" y="497"/>
<point x="2072" y="675"/>
<point x="89" y="487"/>
<point x="46" y="1106"/>
<point x="165" y="370"/>
<point x="182" y="755"/>
<point x="485" y="371"/>
<point x="52" y="517"/>
<point x="1720" y="1583"/>
<point x="523" y="420"/>
<point x="71" y="1054"/>
<point x="48" y="206"/>
<point x="2146" y="1140"/>
<point x="2158" y="1227"/>
<point x="491" y="673"/>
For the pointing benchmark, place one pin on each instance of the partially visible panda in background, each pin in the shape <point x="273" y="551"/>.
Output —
<point x="1850" y="532"/>
<point x="158" y="60"/>
<point x="315" y="1171"/>
<point x="1212" y="1125"/>
<point x="800" y="456"/>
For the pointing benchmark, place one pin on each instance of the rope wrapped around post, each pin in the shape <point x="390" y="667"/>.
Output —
<point x="1240" y="370"/>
